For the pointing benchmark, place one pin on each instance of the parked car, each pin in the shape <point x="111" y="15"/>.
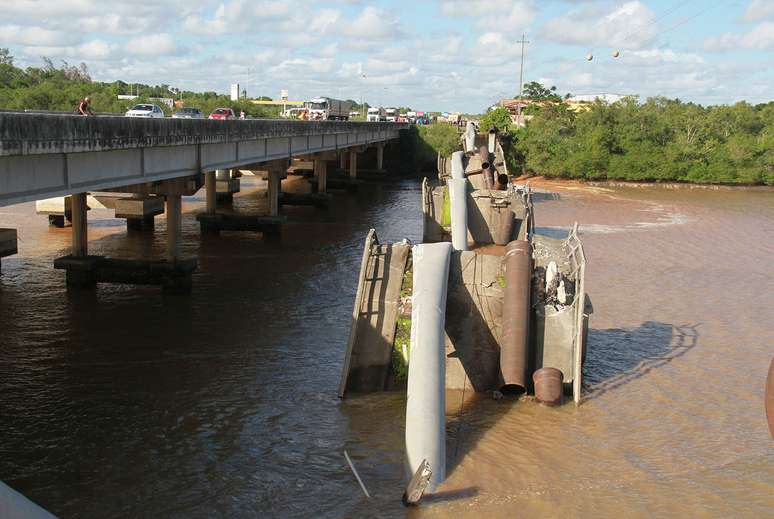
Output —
<point x="222" y="114"/>
<point x="188" y="113"/>
<point x="145" y="110"/>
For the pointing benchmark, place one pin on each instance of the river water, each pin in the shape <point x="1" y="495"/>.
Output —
<point x="124" y="402"/>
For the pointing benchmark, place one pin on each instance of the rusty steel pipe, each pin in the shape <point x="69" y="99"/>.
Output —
<point x="486" y="166"/>
<point x="483" y="152"/>
<point x="505" y="218"/>
<point x="501" y="183"/>
<point x="514" y="348"/>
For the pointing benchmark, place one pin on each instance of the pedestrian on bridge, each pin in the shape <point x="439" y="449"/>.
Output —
<point x="84" y="107"/>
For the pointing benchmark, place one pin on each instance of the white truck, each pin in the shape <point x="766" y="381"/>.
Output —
<point x="328" y="109"/>
<point x="391" y="114"/>
<point x="376" y="115"/>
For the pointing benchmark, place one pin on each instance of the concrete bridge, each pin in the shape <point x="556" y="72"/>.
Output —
<point x="154" y="162"/>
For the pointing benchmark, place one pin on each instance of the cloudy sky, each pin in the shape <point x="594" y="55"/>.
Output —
<point x="432" y="55"/>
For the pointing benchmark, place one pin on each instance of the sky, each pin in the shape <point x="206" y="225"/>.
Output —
<point x="436" y="55"/>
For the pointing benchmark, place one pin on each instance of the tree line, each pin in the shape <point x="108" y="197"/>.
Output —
<point x="61" y="87"/>
<point x="658" y="140"/>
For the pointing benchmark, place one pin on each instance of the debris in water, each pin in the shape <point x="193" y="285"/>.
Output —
<point x="418" y="484"/>
<point x="357" y="476"/>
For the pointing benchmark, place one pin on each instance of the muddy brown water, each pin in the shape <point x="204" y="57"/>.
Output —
<point x="123" y="402"/>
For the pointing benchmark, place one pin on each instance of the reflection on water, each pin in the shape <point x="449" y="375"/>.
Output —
<point x="124" y="402"/>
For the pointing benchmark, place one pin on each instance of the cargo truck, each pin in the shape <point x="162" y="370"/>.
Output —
<point x="328" y="109"/>
<point x="376" y="115"/>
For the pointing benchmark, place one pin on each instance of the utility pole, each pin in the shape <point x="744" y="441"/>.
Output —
<point x="521" y="71"/>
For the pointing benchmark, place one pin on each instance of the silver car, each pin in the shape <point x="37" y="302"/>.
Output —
<point x="188" y="113"/>
<point x="145" y="110"/>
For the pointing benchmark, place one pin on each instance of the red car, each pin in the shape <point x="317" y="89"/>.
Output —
<point x="222" y="113"/>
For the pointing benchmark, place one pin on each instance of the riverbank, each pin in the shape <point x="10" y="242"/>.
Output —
<point x="573" y="183"/>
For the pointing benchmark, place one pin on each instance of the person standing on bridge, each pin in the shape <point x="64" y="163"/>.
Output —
<point x="84" y="107"/>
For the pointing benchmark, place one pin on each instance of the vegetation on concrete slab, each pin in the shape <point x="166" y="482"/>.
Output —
<point x="401" y="346"/>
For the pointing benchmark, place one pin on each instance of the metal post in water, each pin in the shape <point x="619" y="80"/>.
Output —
<point x="426" y="392"/>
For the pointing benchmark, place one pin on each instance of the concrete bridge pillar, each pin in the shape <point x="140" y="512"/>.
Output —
<point x="225" y="185"/>
<point x="174" y="227"/>
<point x="321" y="172"/>
<point x="353" y="164"/>
<point x="342" y="160"/>
<point x="210" y="191"/>
<point x="80" y="230"/>
<point x="380" y="156"/>
<point x="275" y="183"/>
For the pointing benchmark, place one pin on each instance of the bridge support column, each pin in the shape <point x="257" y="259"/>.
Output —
<point x="321" y="172"/>
<point x="275" y="183"/>
<point x="80" y="229"/>
<point x="353" y="164"/>
<point x="225" y="186"/>
<point x="342" y="160"/>
<point x="380" y="156"/>
<point x="174" y="227"/>
<point x="210" y="191"/>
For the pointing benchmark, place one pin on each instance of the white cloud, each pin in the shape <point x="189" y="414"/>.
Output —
<point x="37" y="36"/>
<point x="372" y="24"/>
<point x="629" y="27"/>
<point x="239" y="16"/>
<point x="152" y="45"/>
<point x="759" y="10"/>
<point x="760" y="37"/>
<point x="499" y="15"/>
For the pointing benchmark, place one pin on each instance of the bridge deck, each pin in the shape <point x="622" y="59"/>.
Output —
<point x="48" y="155"/>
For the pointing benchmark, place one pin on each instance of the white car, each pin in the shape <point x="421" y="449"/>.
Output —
<point x="145" y="110"/>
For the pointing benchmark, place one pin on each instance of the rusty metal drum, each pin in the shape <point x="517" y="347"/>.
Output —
<point x="548" y="386"/>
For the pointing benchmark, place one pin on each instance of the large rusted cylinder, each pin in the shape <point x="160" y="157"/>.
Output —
<point x="486" y="166"/>
<point x="770" y="398"/>
<point x="548" y="385"/>
<point x="514" y="348"/>
<point x="502" y="233"/>
<point x="483" y="152"/>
